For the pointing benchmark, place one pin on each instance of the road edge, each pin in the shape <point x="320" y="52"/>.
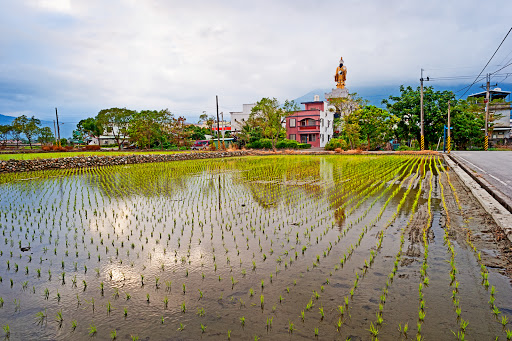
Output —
<point x="496" y="210"/>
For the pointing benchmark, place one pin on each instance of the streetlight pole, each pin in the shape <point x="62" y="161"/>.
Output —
<point x="422" y="143"/>
<point x="218" y="130"/>
<point x="487" y="95"/>
<point x="449" y="137"/>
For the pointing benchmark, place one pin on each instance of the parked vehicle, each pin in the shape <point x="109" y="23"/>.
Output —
<point x="200" y="144"/>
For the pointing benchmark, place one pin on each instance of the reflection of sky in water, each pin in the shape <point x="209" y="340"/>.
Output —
<point x="178" y="221"/>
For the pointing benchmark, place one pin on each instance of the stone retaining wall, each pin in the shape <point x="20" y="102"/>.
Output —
<point x="10" y="166"/>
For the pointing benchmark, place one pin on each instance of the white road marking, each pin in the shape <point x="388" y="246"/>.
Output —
<point x="495" y="178"/>
<point x="492" y="176"/>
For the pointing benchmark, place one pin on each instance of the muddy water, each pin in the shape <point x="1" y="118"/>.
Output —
<point x="191" y="244"/>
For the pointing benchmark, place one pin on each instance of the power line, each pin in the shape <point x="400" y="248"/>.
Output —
<point x="476" y="79"/>
<point x="501" y="68"/>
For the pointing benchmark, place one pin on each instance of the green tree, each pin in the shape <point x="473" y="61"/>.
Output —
<point x="90" y="127"/>
<point x="46" y="135"/>
<point x="5" y="132"/>
<point x="343" y="106"/>
<point x="28" y="126"/>
<point x="150" y="126"/>
<point x="407" y="108"/>
<point x="376" y="125"/>
<point x="351" y="130"/>
<point x="195" y="132"/>
<point x="16" y="130"/>
<point x="118" y="120"/>
<point x="77" y="135"/>
<point x="269" y="116"/>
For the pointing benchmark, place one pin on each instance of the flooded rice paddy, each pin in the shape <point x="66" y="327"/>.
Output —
<point x="274" y="247"/>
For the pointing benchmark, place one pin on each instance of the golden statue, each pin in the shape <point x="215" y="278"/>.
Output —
<point x="341" y="75"/>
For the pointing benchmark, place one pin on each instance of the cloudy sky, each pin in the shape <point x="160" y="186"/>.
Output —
<point x="86" y="55"/>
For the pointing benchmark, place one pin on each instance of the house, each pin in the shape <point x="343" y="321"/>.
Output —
<point x="314" y="125"/>
<point x="239" y="118"/>
<point x="501" y="127"/>
<point x="108" y="137"/>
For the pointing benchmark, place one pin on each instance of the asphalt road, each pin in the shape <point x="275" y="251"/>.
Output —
<point x="494" y="166"/>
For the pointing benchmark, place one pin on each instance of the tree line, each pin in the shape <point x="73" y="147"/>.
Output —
<point x="368" y="127"/>
<point x="361" y="125"/>
<point x="29" y="128"/>
<point x="145" y="128"/>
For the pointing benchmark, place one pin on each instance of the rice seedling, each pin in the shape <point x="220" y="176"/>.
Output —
<point x="74" y="324"/>
<point x="242" y="321"/>
<point x="92" y="330"/>
<point x="504" y="320"/>
<point x="7" y="330"/>
<point x="41" y="316"/>
<point x="113" y="334"/>
<point x="291" y="327"/>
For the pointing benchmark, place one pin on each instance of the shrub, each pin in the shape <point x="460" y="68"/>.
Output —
<point x="58" y="149"/>
<point x="92" y="147"/>
<point x="260" y="144"/>
<point x="403" y="147"/>
<point x="336" y="143"/>
<point x="287" y="144"/>
<point x="304" y="145"/>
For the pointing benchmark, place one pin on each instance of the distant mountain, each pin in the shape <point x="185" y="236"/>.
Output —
<point x="6" y="119"/>
<point x="66" y="131"/>
<point x="374" y="95"/>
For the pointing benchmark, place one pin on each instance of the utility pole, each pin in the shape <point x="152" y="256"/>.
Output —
<point x="58" y="127"/>
<point x="55" y="132"/>
<point x="223" y="133"/>
<point x="422" y="143"/>
<point x="487" y="86"/>
<point x="218" y="126"/>
<point x="449" y="136"/>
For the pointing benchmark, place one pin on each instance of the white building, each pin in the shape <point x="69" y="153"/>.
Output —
<point x="501" y="128"/>
<point x="107" y="138"/>
<point x="238" y="118"/>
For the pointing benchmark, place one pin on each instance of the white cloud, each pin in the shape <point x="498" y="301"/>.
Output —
<point x="89" y="55"/>
<point x="63" y="6"/>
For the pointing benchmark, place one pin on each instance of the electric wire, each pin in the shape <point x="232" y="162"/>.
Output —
<point x="476" y="79"/>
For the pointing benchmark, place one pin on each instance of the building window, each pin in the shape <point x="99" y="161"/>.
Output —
<point x="313" y="137"/>
<point x="328" y="123"/>
<point x="292" y="123"/>
<point x="291" y="137"/>
<point x="322" y="121"/>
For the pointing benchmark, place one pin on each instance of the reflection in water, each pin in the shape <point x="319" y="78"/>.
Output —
<point x="166" y="241"/>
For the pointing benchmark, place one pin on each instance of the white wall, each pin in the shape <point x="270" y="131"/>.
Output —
<point x="326" y="124"/>
<point x="238" y="118"/>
